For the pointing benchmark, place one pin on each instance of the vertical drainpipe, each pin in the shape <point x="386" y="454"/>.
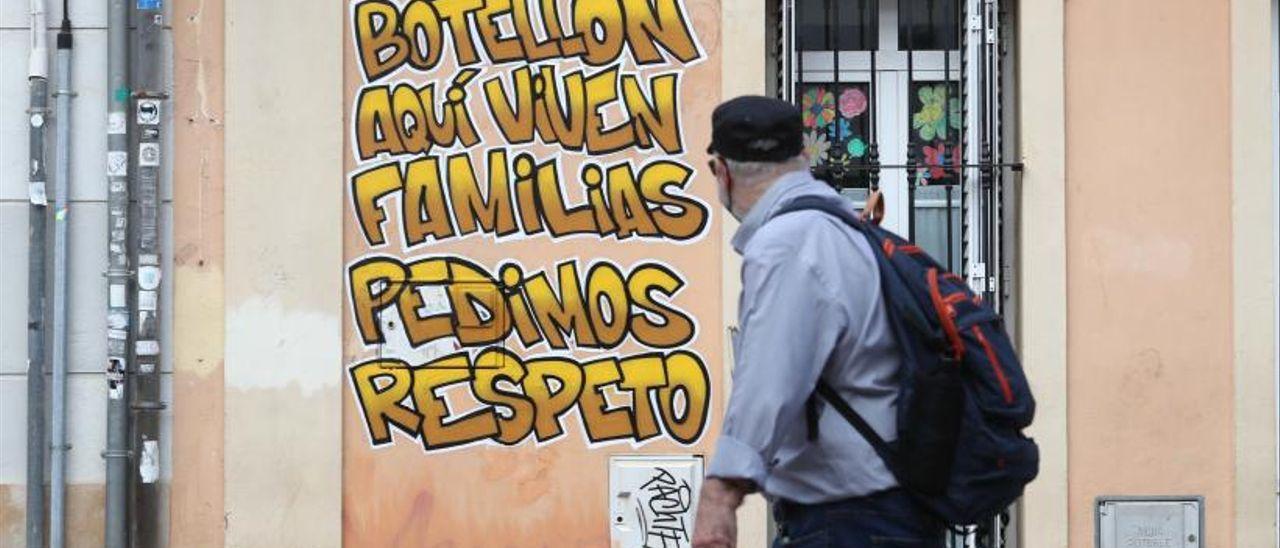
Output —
<point x="148" y="81"/>
<point x="62" y="159"/>
<point x="117" y="455"/>
<point x="38" y="81"/>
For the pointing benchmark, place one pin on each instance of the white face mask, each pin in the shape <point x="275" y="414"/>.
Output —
<point x="726" y="197"/>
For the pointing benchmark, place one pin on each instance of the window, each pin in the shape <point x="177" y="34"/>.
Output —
<point x="908" y="96"/>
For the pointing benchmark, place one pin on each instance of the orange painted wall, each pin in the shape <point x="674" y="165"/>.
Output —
<point x="527" y="495"/>
<point x="1149" y="265"/>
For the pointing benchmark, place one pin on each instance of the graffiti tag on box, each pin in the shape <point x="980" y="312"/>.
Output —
<point x="468" y="115"/>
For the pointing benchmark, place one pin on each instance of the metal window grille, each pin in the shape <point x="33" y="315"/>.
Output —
<point x="924" y="85"/>
<point x="941" y="156"/>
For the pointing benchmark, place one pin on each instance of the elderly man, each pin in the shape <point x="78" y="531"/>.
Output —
<point x="810" y="308"/>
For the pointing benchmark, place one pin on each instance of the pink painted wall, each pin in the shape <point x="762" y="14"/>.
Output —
<point x="1149" y="265"/>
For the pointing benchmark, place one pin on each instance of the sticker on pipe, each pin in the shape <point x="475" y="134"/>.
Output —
<point x="148" y="111"/>
<point x="116" y="122"/>
<point x="117" y="163"/>
<point x="149" y="154"/>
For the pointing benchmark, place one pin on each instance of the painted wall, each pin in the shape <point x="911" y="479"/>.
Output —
<point x="533" y="265"/>
<point x="282" y="448"/>
<point x="87" y="259"/>
<point x="1149" y="257"/>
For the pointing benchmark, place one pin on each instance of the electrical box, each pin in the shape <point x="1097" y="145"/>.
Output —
<point x="1150" y="522"/>
<point x="652" y="500"/>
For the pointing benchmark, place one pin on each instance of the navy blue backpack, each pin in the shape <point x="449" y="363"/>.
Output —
<point x="964" y="399"/>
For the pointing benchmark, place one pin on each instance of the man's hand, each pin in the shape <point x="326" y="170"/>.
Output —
<point x="716" y="525"/>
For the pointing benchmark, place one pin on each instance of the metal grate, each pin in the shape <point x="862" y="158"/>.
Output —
<point x="949" y="187"/>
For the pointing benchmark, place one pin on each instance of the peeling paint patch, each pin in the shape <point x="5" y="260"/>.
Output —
<point x="269" y="346"/>
<point x="198" y="307"/>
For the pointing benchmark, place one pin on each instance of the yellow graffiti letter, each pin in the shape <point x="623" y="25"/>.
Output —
<point x="641" y="375"/>
<point x="367" y="190"/>
<point x="375" y="124"/>
<point x="675" y="328"/>
<point x="423" y="208"/>
<point x="436" y="432"/>
<point x="602" y="423"/>
<point x="494" y="366"/>
<point x="688" y="377"/>
<point x="551" y="404"/>
<point x="375" y="284"/>
<point x="689" y="216"/>
<point x="668" y="27"/>
<point x="372" y="39"/>
<point x="380" y="403"/>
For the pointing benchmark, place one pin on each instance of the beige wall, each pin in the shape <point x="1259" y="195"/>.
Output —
<point x="283" y="286"/>
<point x="1253" y="148"/>
<point x="1149" y="264"/>
<point x="1041" y="269"/>
<point x="742" y="75"/>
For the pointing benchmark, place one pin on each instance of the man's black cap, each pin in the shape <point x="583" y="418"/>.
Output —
<point x="752" y="128"/>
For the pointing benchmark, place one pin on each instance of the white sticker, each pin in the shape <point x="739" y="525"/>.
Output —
<point x="35" y="191"/>
<point x="117" y="299"/>
<point x="149" y="154"/>
<point x="147" y="300"/>
<point x="147" y="348"/>
<point x="116" y="123"/>
<point x="117" y="334"/>
<point x="149" y="259"/>
<point x="115" y="377"/>
<point x="148" y="277"/>
<point x="117" y="163"/>
<point x="149" y="464"/>
<point x="148" y="112"/>
<point x="117" y="320"/>
<point x="37" y="119"/>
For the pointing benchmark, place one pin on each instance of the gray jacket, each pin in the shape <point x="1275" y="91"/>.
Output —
<point x="810" y="307"/>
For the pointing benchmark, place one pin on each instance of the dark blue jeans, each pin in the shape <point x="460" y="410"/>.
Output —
<point x="887" y="518"/>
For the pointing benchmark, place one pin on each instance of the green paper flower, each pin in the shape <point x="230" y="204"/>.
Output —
<point x="936" y="113"/>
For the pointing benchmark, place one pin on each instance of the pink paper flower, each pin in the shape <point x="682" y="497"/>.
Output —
<point x="852" y="102"/>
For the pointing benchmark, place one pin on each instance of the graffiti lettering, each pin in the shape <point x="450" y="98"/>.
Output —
<point x="597" y="310"/>
<point x="526" y="197"/>
<point x="388" y="37"/>
<point x="405" y="119"/>
<point x="663" y="516"/>
<point x="505" y="121"/>
<point x="518" y="398"/>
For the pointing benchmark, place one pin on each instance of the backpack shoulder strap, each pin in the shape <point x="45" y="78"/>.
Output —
<point x="825" y="205"/>
<point x="828" y="393"/>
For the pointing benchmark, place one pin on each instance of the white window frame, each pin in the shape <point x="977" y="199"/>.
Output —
<point x="892" y="104"/>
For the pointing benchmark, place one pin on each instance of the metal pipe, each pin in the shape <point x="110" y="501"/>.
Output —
<point x="117" y="454"/>
<point x="38" y="81"/>
<point x="62" y="160"/>
<point x="147" y="80"/>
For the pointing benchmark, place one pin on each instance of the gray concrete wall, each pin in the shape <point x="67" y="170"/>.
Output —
<point x="87" y="298"/>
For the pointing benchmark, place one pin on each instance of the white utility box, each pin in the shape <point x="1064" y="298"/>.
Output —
<point x="652" y="500"/>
